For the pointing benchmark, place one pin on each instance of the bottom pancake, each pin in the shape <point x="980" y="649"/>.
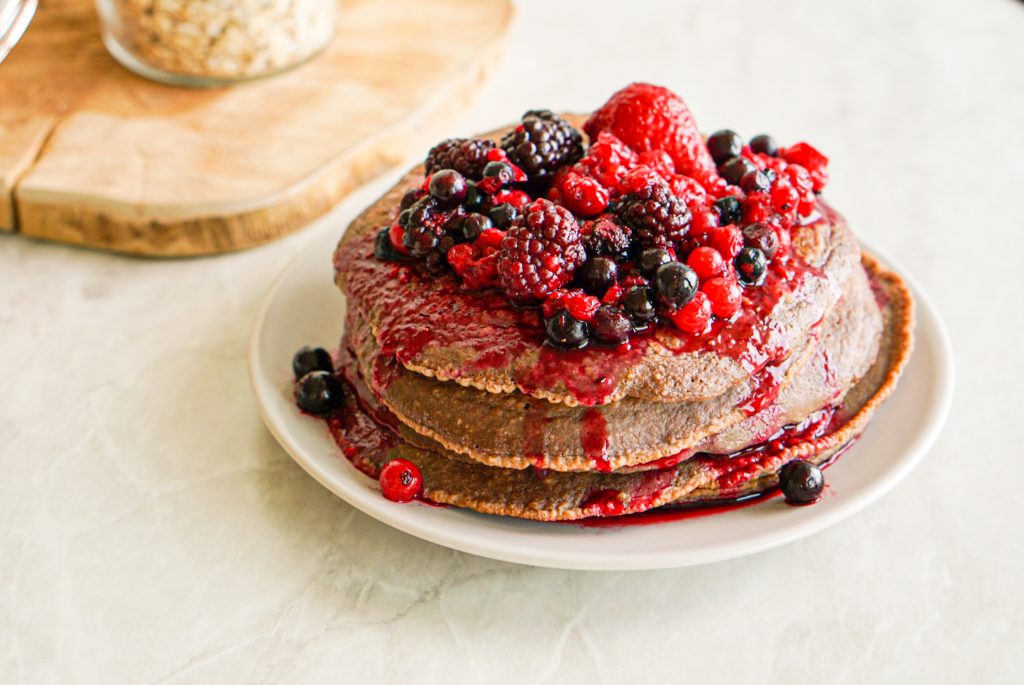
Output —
<point x="370" y="436"/>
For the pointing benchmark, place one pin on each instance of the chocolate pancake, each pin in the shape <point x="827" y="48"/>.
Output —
<point x="433" y="327"/>
<point x="548" y="495"/>
<point x="514" y="431"/>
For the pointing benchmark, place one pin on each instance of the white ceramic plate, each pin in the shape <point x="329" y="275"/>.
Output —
<point x="303" y="307"/>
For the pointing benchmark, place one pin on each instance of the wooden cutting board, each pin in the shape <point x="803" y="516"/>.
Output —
<point x="93" y="155"/>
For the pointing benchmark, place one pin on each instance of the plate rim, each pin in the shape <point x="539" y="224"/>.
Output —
<point x="927" y="319"/>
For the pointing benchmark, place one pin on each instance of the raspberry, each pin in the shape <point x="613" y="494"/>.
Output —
<point x="656" y="216"/>
<point x="608" y="160"/>
<point x="477" y="262"/>
<point x="647" y="117"/>
<point x="809" y="158"/>
<point x="660" y="161"/>
<point x="468" y="156"/>
<point x="579" y="304"/>
<point x="539" y="252"/>
<point x="603" y="237"/>
<point x="707" y="262"/>
<point x="541" y="144"/>
<point x="757" y="207"/>
<point x="728" y="240"/>
<point x="583" y="195"/>
<point x="693" y="317"/>
<point x="639" y="178"/>
<point x="687" y="190"/>
<point x="801" y="180"/>
<point x="726" y="295"/>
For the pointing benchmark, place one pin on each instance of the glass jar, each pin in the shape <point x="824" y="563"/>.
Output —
<point x="214" y="42"/>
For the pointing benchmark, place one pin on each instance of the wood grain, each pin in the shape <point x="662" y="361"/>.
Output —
<point x="91" y="154"/>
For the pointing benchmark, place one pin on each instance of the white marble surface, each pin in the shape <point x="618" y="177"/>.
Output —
<point x="152" y="531"/>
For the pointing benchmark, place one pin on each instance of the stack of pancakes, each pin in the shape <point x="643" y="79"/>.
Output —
<point x="500" y="423"/>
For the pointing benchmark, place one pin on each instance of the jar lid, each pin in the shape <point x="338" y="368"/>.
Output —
<point x="15" y="16"/>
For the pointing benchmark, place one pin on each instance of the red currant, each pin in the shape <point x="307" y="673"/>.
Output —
<point x="400" y="480"/>
<point x="726" y="296"/>
<point x="584" y="196"/>
<point x="728" y="240"/>
<point x="706" y="261"/>
<point x="693" y="317"/>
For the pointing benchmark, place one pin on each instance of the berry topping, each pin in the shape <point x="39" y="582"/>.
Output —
<point x="598" y="274"/>
<point x="503" y="215"/>
<point x="735" y="169"/>
<point x="470" y="228"/>
<point x="611" y="325"/>
<point x="448" y="187"/>
<point x="801" y="482"/>
<point x="764" y="144"/>
<point x="400" y="480"/>
<point x="466" y="156"/>
<point x="423" y="224"/>
<point x="541" y="144"/>
<point x="728" y="240"/>
<point x="384" y="248"/>
<point x="638" y="302"/>
<point x="730" y="210"/>
<point x="656" y="216"/>
<point x="726" y="296"/>
<point x="694" y="316"/>
<point x="707" y="262"/>
<point x="410" y="198"/>
<point x="755" y="182"/>
<point x="809" y="158"/>
<point x="676" y="284"/>
<point x="647" y="117"/>
<point x="584" y="195"/>
<point x="603" y="237"/>
<point x="501" y="172"/>
<point x="763" y="237"/>
<point x="751" y="265"/>
<point x="724" y="145"/>
<point x="565" y="331"/>
<point x="319" y="393"/>
<point x="309" y="359"/>
<point x="539" y="253"/>
<point x="579" y="304"/>
<point x="650" y="259"/>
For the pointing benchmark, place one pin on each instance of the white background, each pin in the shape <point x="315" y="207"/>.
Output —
<point x="152" y="531"/>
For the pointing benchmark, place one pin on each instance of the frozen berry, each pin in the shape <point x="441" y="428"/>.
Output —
<point x="384" y="249"/>
<point x="541" y="144"/>
<point x="603" y="237"/>
<point x="611" y="325"/>
<point x="423" y="224"/>
<point x="675" y="283"/>
<point x="725" y="294"/>
<point x="730" y="210"/>
<point x="566" y="332"/>
<point x="470" y="228"/>
<point x="810" y="159"/>
<point x="724" y="145"/>
<point x="801" y="482"/>
<point x="448" y="187"/>
<point x="539" y="252"/>
<point x="598" y="274"/>
<point x="693" y="317"/>
<point x="707" y="262"/>
<point x="785" y="197"/>
<point x="734" y="169"/>
<point x="728" y="240"/>
<point x="584" y="195"/>
<point x="750" y="265"/>
<point x="410" y="198"/>
<point x="466" y="156"/>
<point x="319" y="393"/>
<point x="650" y="259"/>
<point x="400" y="480"/>
<point x="656" y="216"/>
<point x="309" y="359"/>
<point x="502" y="171"/>
<point x="503" y="215"/>
<point x="638" y="302"/>
<point x="763" y="237"/>
<point x="755" y="182"/>
<point x="764" y="144"/>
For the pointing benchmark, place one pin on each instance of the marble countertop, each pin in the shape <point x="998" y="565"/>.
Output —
<point x="152" y="531"/>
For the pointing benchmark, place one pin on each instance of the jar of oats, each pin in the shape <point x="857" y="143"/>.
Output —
<point x="214" y="42"/>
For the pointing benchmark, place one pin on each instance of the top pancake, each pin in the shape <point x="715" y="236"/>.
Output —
<point x="433" y="327"/>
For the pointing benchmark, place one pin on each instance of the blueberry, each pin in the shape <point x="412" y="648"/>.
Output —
<point x="599" y="274"/>
<point x="764" y="144"/>
<point x="755" y="182"/>
<point x="383" y="249"/>
<point x="801" y="482"/>
<point x="734" y="169"/>
<point x="763" y="237"/>
<point x="730" y="210"/>
<point x="638" y="302"/>
<point x="650" y="259"/>
<point x="676" y="283"/>
<point x="611" y="325"/>
<point x="470" y="228"/>
<point x="566" y="332"/>
<point x="499" y="170"/>
<point x="311" y="359"/>
<point x="448" y="186"/>
<point x="750" y="265"/>
<point x="724" y="145"/>
<point x="319" y="393"/>
<point x="503" y="215"/>
<point x="410" y="198"/>
<point x="474" y="201"/>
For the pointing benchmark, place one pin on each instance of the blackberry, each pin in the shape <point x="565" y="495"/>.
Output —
<point x="604" y="237"/>
<point x="468" y="156"/>
<point x="656" y="216"/>
<point x="539" y="252"/>
<point x="566" y="332"/>
<point x="541" y="144"/>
